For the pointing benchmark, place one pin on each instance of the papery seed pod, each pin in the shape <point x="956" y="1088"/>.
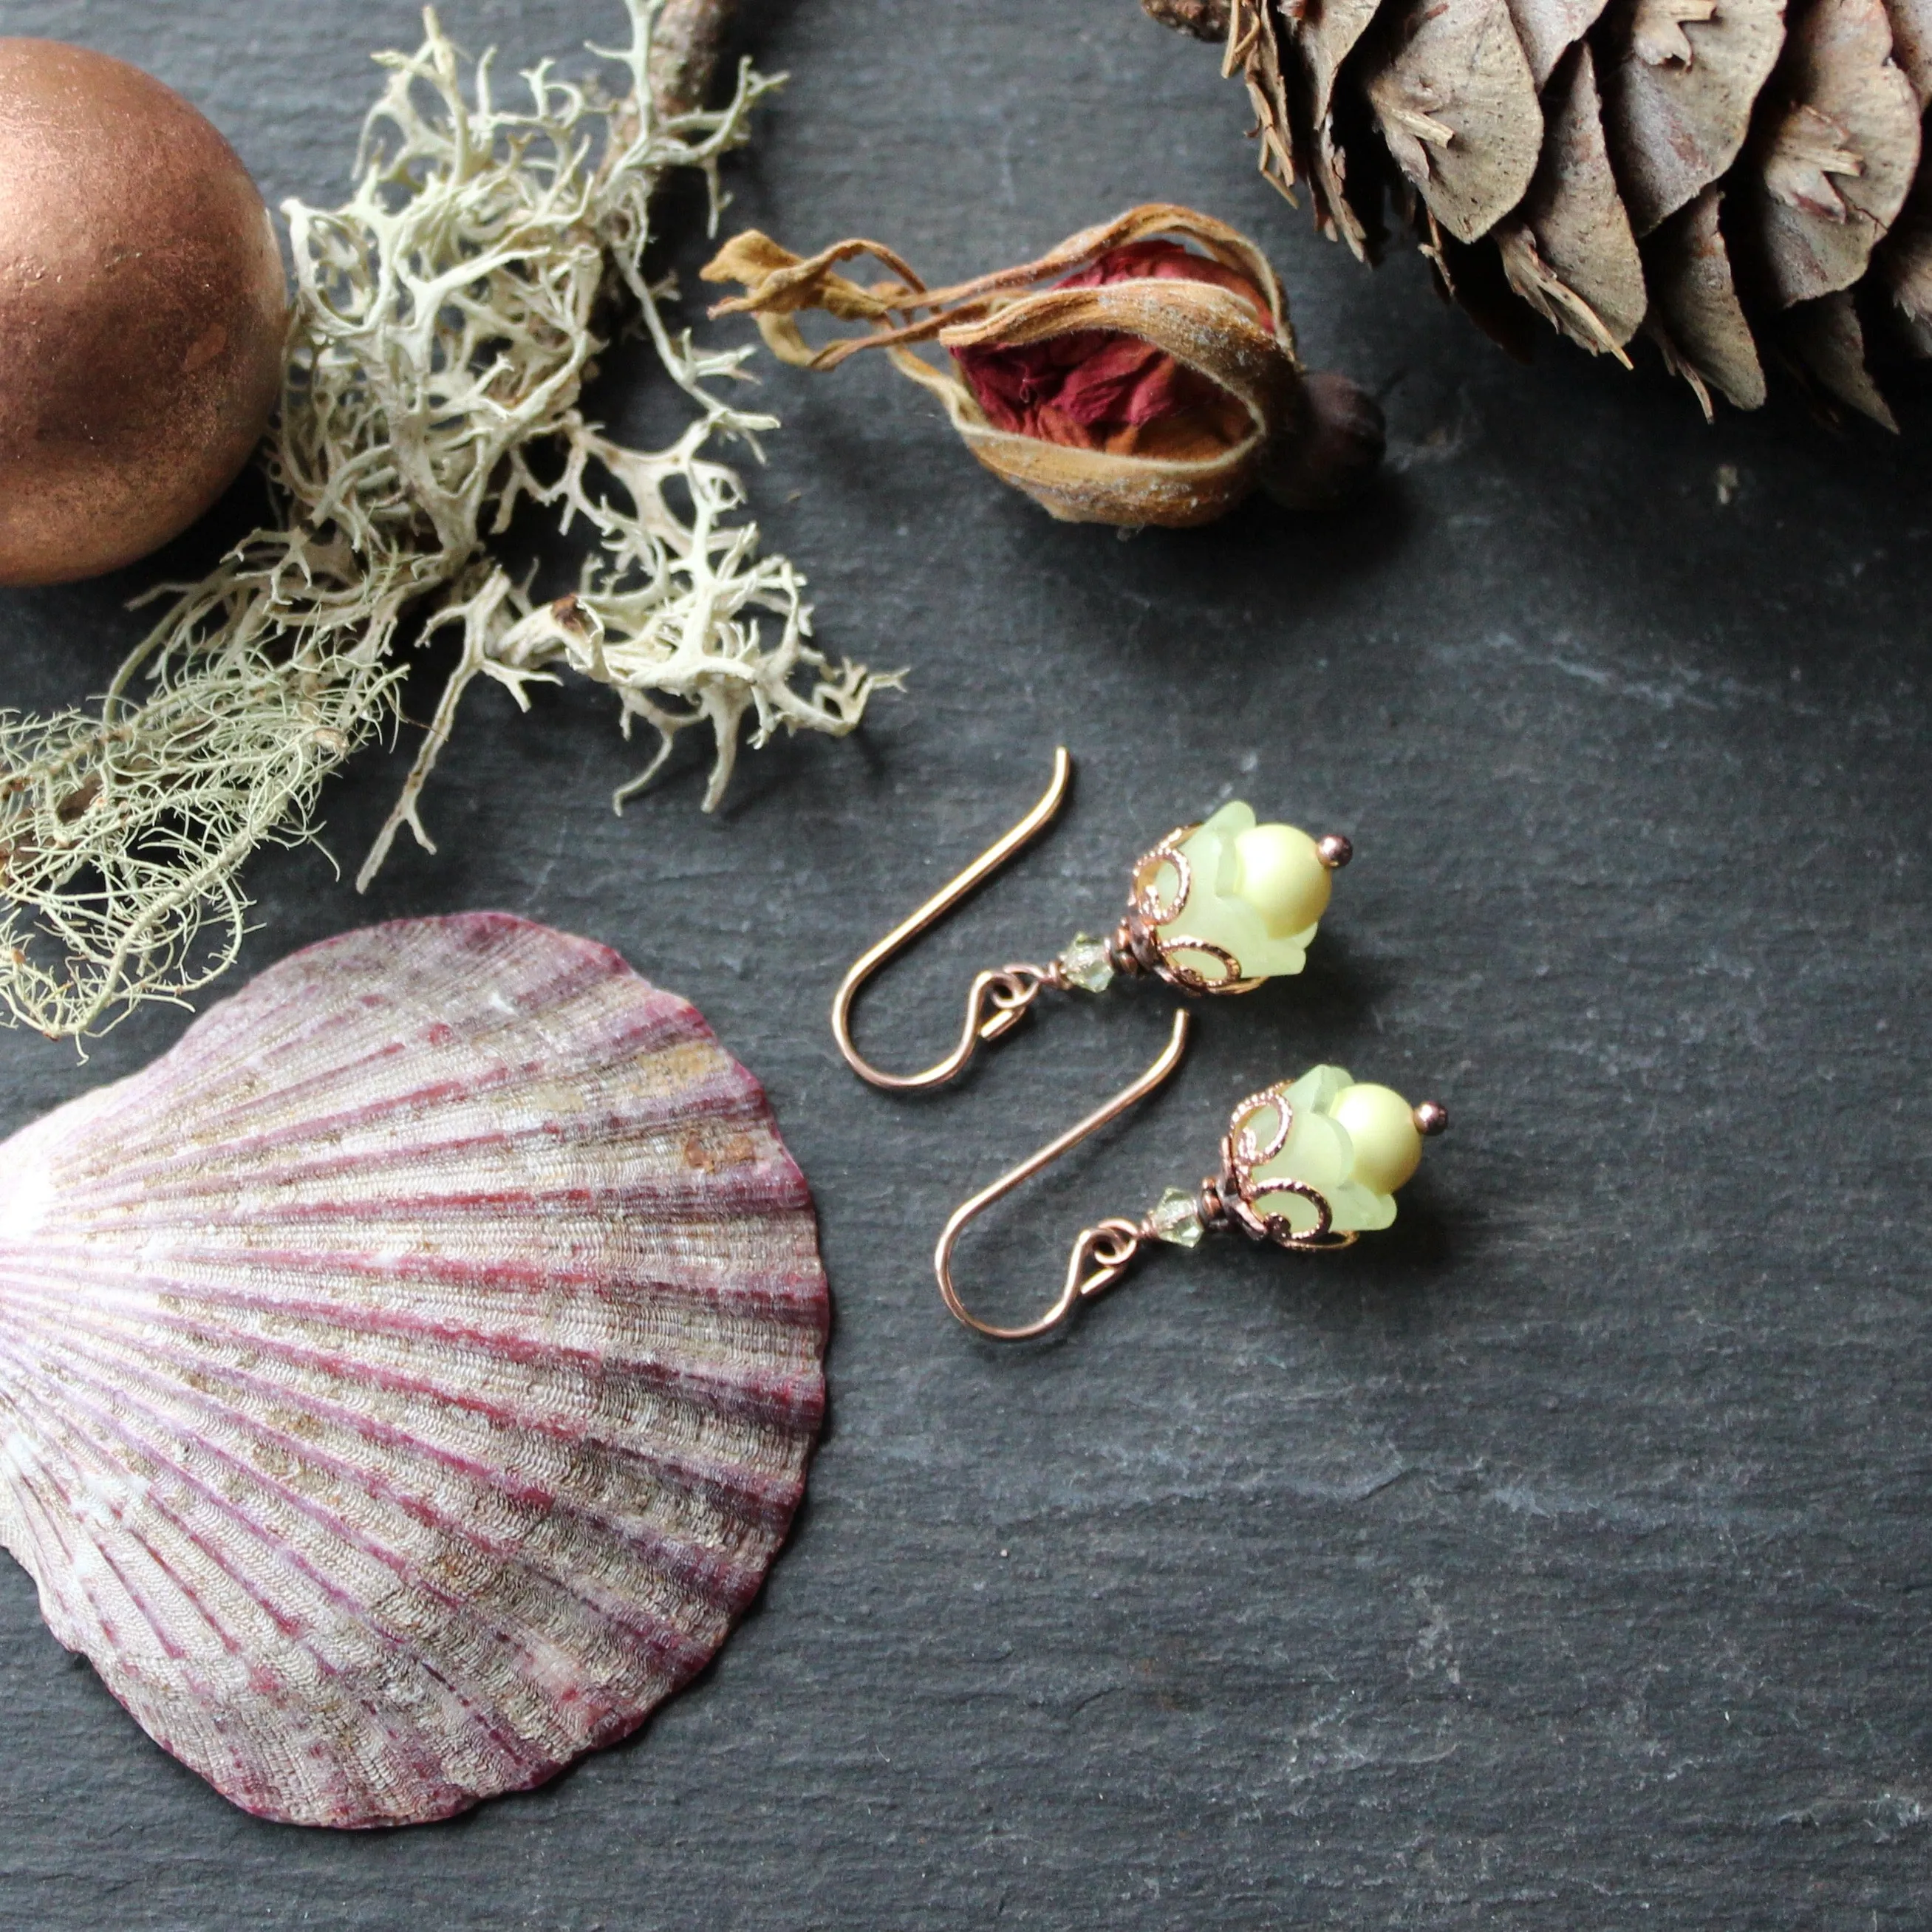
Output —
<point x="1739" y="181"/>
<point x="1142" y="372"/>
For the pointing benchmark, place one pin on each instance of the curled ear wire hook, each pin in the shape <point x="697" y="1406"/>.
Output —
<point x="1010" y="990"/>
<point x="1107" y="1248"/>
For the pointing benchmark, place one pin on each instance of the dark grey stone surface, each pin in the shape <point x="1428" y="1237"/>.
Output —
<point x="1563" y="1559"/>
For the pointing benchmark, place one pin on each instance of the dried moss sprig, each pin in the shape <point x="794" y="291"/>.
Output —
<point x="446" y="317"/>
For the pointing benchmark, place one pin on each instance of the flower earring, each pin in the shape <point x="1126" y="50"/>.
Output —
<point x="1215" y="907"/>
<point x="1307" y="1164"/>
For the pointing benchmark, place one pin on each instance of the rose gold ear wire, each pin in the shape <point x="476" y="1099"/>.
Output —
<point x="1108" y="1248"/>
<point x="1010" y="989"/>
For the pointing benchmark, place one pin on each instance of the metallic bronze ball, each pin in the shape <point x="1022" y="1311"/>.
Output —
<point x="142" y="305"/>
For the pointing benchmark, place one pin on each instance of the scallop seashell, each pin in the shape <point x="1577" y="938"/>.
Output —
<point x="407" y="1380"/>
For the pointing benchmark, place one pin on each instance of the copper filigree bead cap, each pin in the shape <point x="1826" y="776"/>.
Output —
<point x="142" y="306"/>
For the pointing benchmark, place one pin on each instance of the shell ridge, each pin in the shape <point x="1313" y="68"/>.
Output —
<point x="495" y="1727"/>
<point x="129" y="1685"/>
<point x="162" y="1085"/>
<point x="622" y="1285"/>
<point x="136" y="1180"/>
<point x="229" y="1024"/>
<point x="396" y="958"/>
<point x="718" y="1583"/>
<point x="690" y="1199"/>
<point x="139" y="1599"/>
<point x="162" y="1455"/>
<point x="636" y="1278"/>
<point x="685" y="1659"/>
<point x="739" y="1097"/>
<point x="128" y="1682"/>
<point x="663" y="1018"/>
<point x="757" y="1504"/>
<point x="795" y="1304"/>
<point x="61" y="1530"/>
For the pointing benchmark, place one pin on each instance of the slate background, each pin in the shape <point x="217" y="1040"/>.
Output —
<point x="1562" y="1558"/>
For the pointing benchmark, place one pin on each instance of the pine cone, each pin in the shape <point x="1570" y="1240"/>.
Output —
<point x="1736" y="180"/>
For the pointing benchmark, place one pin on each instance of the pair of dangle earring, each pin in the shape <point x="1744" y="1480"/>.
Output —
<point x="1218" y="907"/>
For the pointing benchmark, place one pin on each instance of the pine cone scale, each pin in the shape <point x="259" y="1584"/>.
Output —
<point x="1458" y="108"/>
<point x="1697" y="318"/>
<point x="1836" y="164"/>
<point x="1585" y="275"/>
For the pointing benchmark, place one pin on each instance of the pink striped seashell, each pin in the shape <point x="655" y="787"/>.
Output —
<point x="406" y="1381"/>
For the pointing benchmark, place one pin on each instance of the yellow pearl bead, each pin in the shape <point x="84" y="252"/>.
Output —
<point x="1279" y="873"/>
<point x="1382" y="1131"/>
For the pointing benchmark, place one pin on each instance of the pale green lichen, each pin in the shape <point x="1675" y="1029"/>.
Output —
<point x="443" y="330"/>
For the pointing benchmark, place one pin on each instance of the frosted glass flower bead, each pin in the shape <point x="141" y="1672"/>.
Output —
<point x="1257" y="892"/>
<point x="1355" y="1144"/>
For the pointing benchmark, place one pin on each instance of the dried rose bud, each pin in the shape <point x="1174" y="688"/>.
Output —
<point x="1152" y="380"/>
<point x="1095" y="388"/>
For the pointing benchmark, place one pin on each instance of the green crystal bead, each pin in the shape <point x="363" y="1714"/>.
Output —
<point x="1085" y="963"/>
<point x="1177" y="1218"/>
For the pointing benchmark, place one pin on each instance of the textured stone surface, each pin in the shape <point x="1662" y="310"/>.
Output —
<point x="1560" y="1558"/>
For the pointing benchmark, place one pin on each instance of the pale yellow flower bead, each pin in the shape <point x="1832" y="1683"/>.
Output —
<point x="1356" y="1144"/>
<point x="1257" y="891"/>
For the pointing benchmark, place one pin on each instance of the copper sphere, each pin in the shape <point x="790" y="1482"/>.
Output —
<point x="142" y="306"/>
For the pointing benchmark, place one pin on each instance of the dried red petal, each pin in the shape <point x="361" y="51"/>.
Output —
<point x="1099" y="389"/>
